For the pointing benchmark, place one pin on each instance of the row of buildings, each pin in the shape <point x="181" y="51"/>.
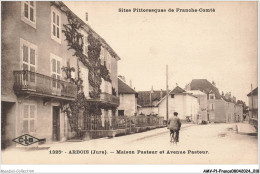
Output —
<point x="60" y="80"/>
<point x="199" y="101"/>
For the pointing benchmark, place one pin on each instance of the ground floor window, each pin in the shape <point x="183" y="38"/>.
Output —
<point x="29" y="112"/>
<point x="121" y="112"/>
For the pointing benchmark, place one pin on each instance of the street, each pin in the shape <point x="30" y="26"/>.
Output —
<point x="199" y="144"/>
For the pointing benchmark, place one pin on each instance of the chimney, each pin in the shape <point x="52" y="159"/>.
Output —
<point x="161" y="94"/>
<point x="130" y="83"/>
<point x="86" y="14"/>
<point x="234" y="99"/>
<point x="122" y="78"/>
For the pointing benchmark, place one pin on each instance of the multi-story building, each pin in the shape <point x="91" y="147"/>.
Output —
<point x="220" y="108"/>
<point x="253" y="107"/>
<point x="253" y="103"/>
<point x="49" y="58"/>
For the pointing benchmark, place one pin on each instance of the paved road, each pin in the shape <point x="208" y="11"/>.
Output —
<point x="199" y="144"/>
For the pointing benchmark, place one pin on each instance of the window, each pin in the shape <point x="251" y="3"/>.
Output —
<point x="29" y="13"/>
<point x="28" y="56"/>
<point x="55" y="25"/>
<point x="108" y="61"/>
<point x="85" y="43"/>
<point x="212" y="107"/>
<point x="211" y="96"/>
<point x="56" y="73"/>
<point x="121" y="112"/>
<point x="29" y="113"/>
<point x="172" y="95"/>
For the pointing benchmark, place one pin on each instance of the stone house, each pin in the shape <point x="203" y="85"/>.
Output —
<point x="40" y="65"/>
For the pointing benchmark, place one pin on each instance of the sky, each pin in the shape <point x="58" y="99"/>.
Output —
<point x="220" y="46"/>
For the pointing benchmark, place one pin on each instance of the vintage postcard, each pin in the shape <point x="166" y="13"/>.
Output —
<point x="129" y="82"/>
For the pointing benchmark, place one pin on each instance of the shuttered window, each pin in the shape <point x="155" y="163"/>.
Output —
<point x="56" y="25"/>
<point x="29" y="114"/>
<point x="29" y="12"/>
<point x="28" y="59"/>
<point x="56" y="71"/>
<point x="85" y="44"/>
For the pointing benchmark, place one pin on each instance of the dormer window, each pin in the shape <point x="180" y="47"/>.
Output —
<point x="212" y="96"/>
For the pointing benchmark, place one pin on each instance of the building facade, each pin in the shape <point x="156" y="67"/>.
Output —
<point x="148" y="100"/>
<point x="203" y="105"/>
<point x="128" y="99"/>
<point x="44" y="70"/>
<point x="253" y="103"/>
<point x="220" y="108"/>
<point x="253" y="107"/>
<point x="182" y="102"/>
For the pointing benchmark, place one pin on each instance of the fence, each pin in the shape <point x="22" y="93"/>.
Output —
<point x="96" y="127"/>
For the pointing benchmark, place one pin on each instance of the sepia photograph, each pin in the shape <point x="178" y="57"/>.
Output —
<point x="172" y="82"/>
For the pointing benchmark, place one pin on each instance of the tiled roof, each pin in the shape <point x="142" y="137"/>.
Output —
<point x="177" y="90"/>
<point x="204" y="86"/>
<point x="123" y="88"/>
<point x="144" y="97"/>
<point x="255" y="92"/>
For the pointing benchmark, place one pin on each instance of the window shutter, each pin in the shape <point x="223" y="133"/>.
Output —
<point x="25" y="118"/>
<point x="32" y="111"/>
<point x="53" y="65"/>
<point x="25" y="53"/>
<point x="32" y="56"/>
<point x="26" y="111"/>
<point x="58" y="67"/>
<point x="32" y="116"/>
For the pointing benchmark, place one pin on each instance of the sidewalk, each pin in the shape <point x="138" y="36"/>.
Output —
<point x="246" y="129"/>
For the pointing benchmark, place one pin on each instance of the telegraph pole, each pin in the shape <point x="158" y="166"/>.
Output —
<point x="167" y="114"/>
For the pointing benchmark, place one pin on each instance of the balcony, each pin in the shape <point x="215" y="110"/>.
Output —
<point x="107" y="99"/>
<point x="35" y="84"/>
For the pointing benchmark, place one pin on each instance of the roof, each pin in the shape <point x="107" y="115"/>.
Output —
<point x="64" y="8"/>
<point x="195" y="92"/>
<point x="177" y="90"/>
<point x="255" y="92"/>
<point x="204" y="86"/>
<point x="144" y="97"/>
<point x="123" y="88"/>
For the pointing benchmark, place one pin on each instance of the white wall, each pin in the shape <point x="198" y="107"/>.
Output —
<point x="148" y="110"/>
<point x="185" y="105"/>
<point x="128" y="103"/>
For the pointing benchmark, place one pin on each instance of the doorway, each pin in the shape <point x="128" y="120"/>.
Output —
<point x="7" y="113"/>
<point x="56" y="123"/>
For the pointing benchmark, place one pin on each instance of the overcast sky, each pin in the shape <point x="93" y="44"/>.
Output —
<point x="219" y="46"/>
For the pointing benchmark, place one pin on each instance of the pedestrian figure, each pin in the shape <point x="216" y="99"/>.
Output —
<point x="174" y="124"/>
